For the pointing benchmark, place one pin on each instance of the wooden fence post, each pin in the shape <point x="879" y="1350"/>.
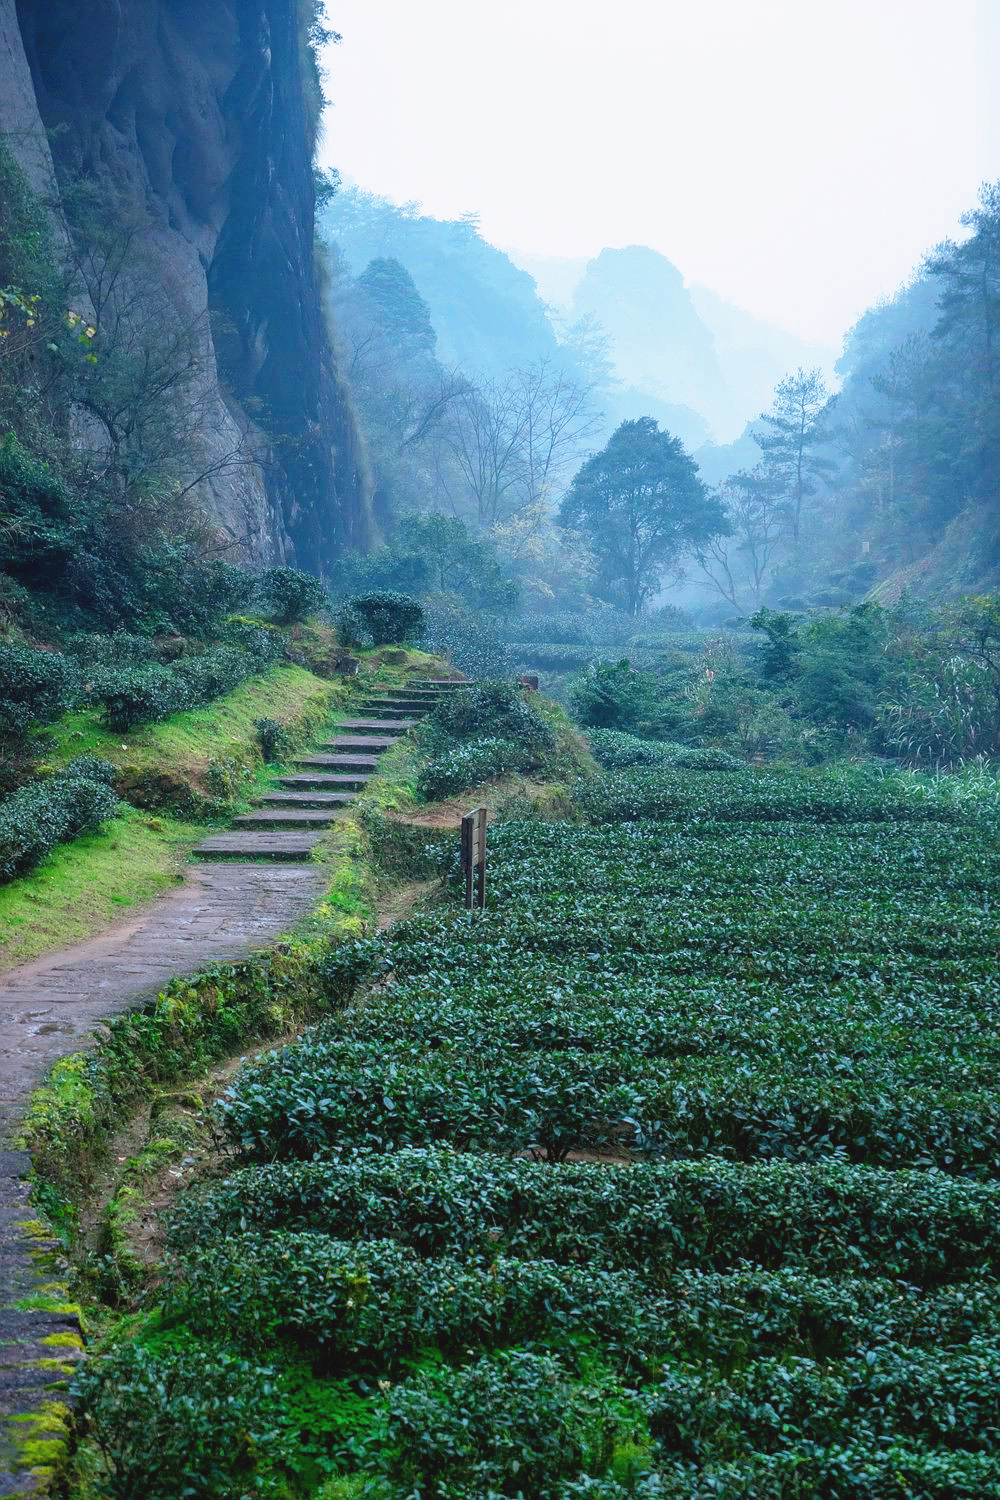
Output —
<point x="474" y="858"/>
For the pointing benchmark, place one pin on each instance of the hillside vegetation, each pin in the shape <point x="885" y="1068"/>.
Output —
<point x="632" y="1187"/>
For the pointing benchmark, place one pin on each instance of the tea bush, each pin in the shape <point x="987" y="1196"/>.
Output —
<point x="390" y="619"/>
<point x="490" y="709"/>
<point x="275" y="742"/>
<point x="46" y="813"/>
<point x="290" y="596"/>
<point x="703" y="1107"/>
<point x="468" y="765"/>
<point x="36" y="687"/>
<point x="923" y="1227"/>
<point x="195" y="1424"/>
<point x="145" y="694"/>
<point x="455" y="1433"/>
<point x="617" y="751"/>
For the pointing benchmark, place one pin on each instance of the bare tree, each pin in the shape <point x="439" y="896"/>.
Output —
<point x="517" y="440"/>
<point x="487" y="438"/>
<point x="755" y="508"/>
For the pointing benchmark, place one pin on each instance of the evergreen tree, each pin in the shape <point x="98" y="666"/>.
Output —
<point x="797" y="431"/>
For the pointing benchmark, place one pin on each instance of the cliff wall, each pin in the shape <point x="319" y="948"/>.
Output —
<point x="200" y="118"/>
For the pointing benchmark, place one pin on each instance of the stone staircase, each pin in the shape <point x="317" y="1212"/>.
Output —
<point x="288" y="822"/>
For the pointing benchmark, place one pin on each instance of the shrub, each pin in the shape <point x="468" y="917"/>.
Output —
<point x="196" y="1424"/>
<point x="261" y="641"/>
<point x="143" y="695"/>
<point x="40" y="816"/>
<point x="610" y="695"/>
<point x="92" y="768"/>
<point x="137" y="695"/>
<point x="275" y="742"/>
<point x="616" y="750"/>
<point x="35" y="688"/>
<point x="513" y="1424"/>
<point x="290" y="595"/>
<point x="121" y="649"/>
<point x="494" y="710"/>
<point x="390" y="619"/>
<point x="352" y="631"/>
<point x="468" y="765"/>
<point x="471" y="642"/>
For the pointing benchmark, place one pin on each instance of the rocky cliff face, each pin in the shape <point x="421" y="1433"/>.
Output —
<point x="199" y="116"/>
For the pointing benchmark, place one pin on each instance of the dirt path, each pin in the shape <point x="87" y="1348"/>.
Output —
<point x="49" y="1008"/>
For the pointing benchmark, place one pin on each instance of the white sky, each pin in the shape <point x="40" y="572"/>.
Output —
<point x="797" y="156"/>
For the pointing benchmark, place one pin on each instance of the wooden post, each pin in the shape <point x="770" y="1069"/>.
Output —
<point x="474" y="858"/>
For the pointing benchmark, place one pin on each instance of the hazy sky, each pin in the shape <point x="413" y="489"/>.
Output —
<point x="797" y="156"/>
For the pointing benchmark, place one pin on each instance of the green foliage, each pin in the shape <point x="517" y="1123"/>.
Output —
<point x="475" y="644"/>
<point x="470" y="765"/>
<point x="759" y="1011"/>
<point x="274" y="740"/>
<point x="46" y="813"/>
<point x="702" y="1217"/>
<point x="490" y="708"/>
<point x="610" y="695"/>
<point x="514" y="1424"/>
<point x="390" y="619"/>
<point x="640" y="504"/>
<point x="146" y="694"/>
<point x="291" y="596"/>
<point x="36" y="687"/>
<point x="772" y="797"/>
<point x="615" y="750"/>
<point x="197" y="1424"/>
<point x="779" y="657"/>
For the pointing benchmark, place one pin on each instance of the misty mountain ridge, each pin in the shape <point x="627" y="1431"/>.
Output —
<point x="682" y="354"/>
<point x="733" y="358"/>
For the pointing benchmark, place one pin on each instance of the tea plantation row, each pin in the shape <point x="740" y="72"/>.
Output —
<point x="677" y="1173"/>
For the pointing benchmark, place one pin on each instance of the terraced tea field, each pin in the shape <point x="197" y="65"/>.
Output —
<point x="676" y="1173"/>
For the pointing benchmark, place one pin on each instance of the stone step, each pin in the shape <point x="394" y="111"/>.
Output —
<point x="412" y="694"/>
<point x="387" y="726"/>
<point x="315" y="798"/>
<point x="343" y="779"/>
<point x="290" y="817"/>
<point x="253" y="845"/>
<point x="335" y="783"/>
<point x="398" y="707"/>
<point x="352" y="742"/>
<point x="437" y="683"/>
<point x="331" y="762"/>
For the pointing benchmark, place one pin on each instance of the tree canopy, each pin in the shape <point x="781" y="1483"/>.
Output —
<point x="641" y="506"/>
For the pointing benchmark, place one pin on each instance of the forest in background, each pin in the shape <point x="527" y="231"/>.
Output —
<point x="546" y="515"/>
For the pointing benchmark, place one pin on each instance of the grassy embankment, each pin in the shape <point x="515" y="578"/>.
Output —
<point x="191" y="768"/>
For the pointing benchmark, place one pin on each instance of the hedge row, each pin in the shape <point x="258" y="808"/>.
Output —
<point x="376" y="1303"/>
<point x="323" y="1094"/>
<point x="464" y="766"/>
<point x="36" y="687"/>
<point x="776" y="796"/>
<point x="615" y="750"/>
<point x="924" y="1227"/>
<point x="770" y="1009"/>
